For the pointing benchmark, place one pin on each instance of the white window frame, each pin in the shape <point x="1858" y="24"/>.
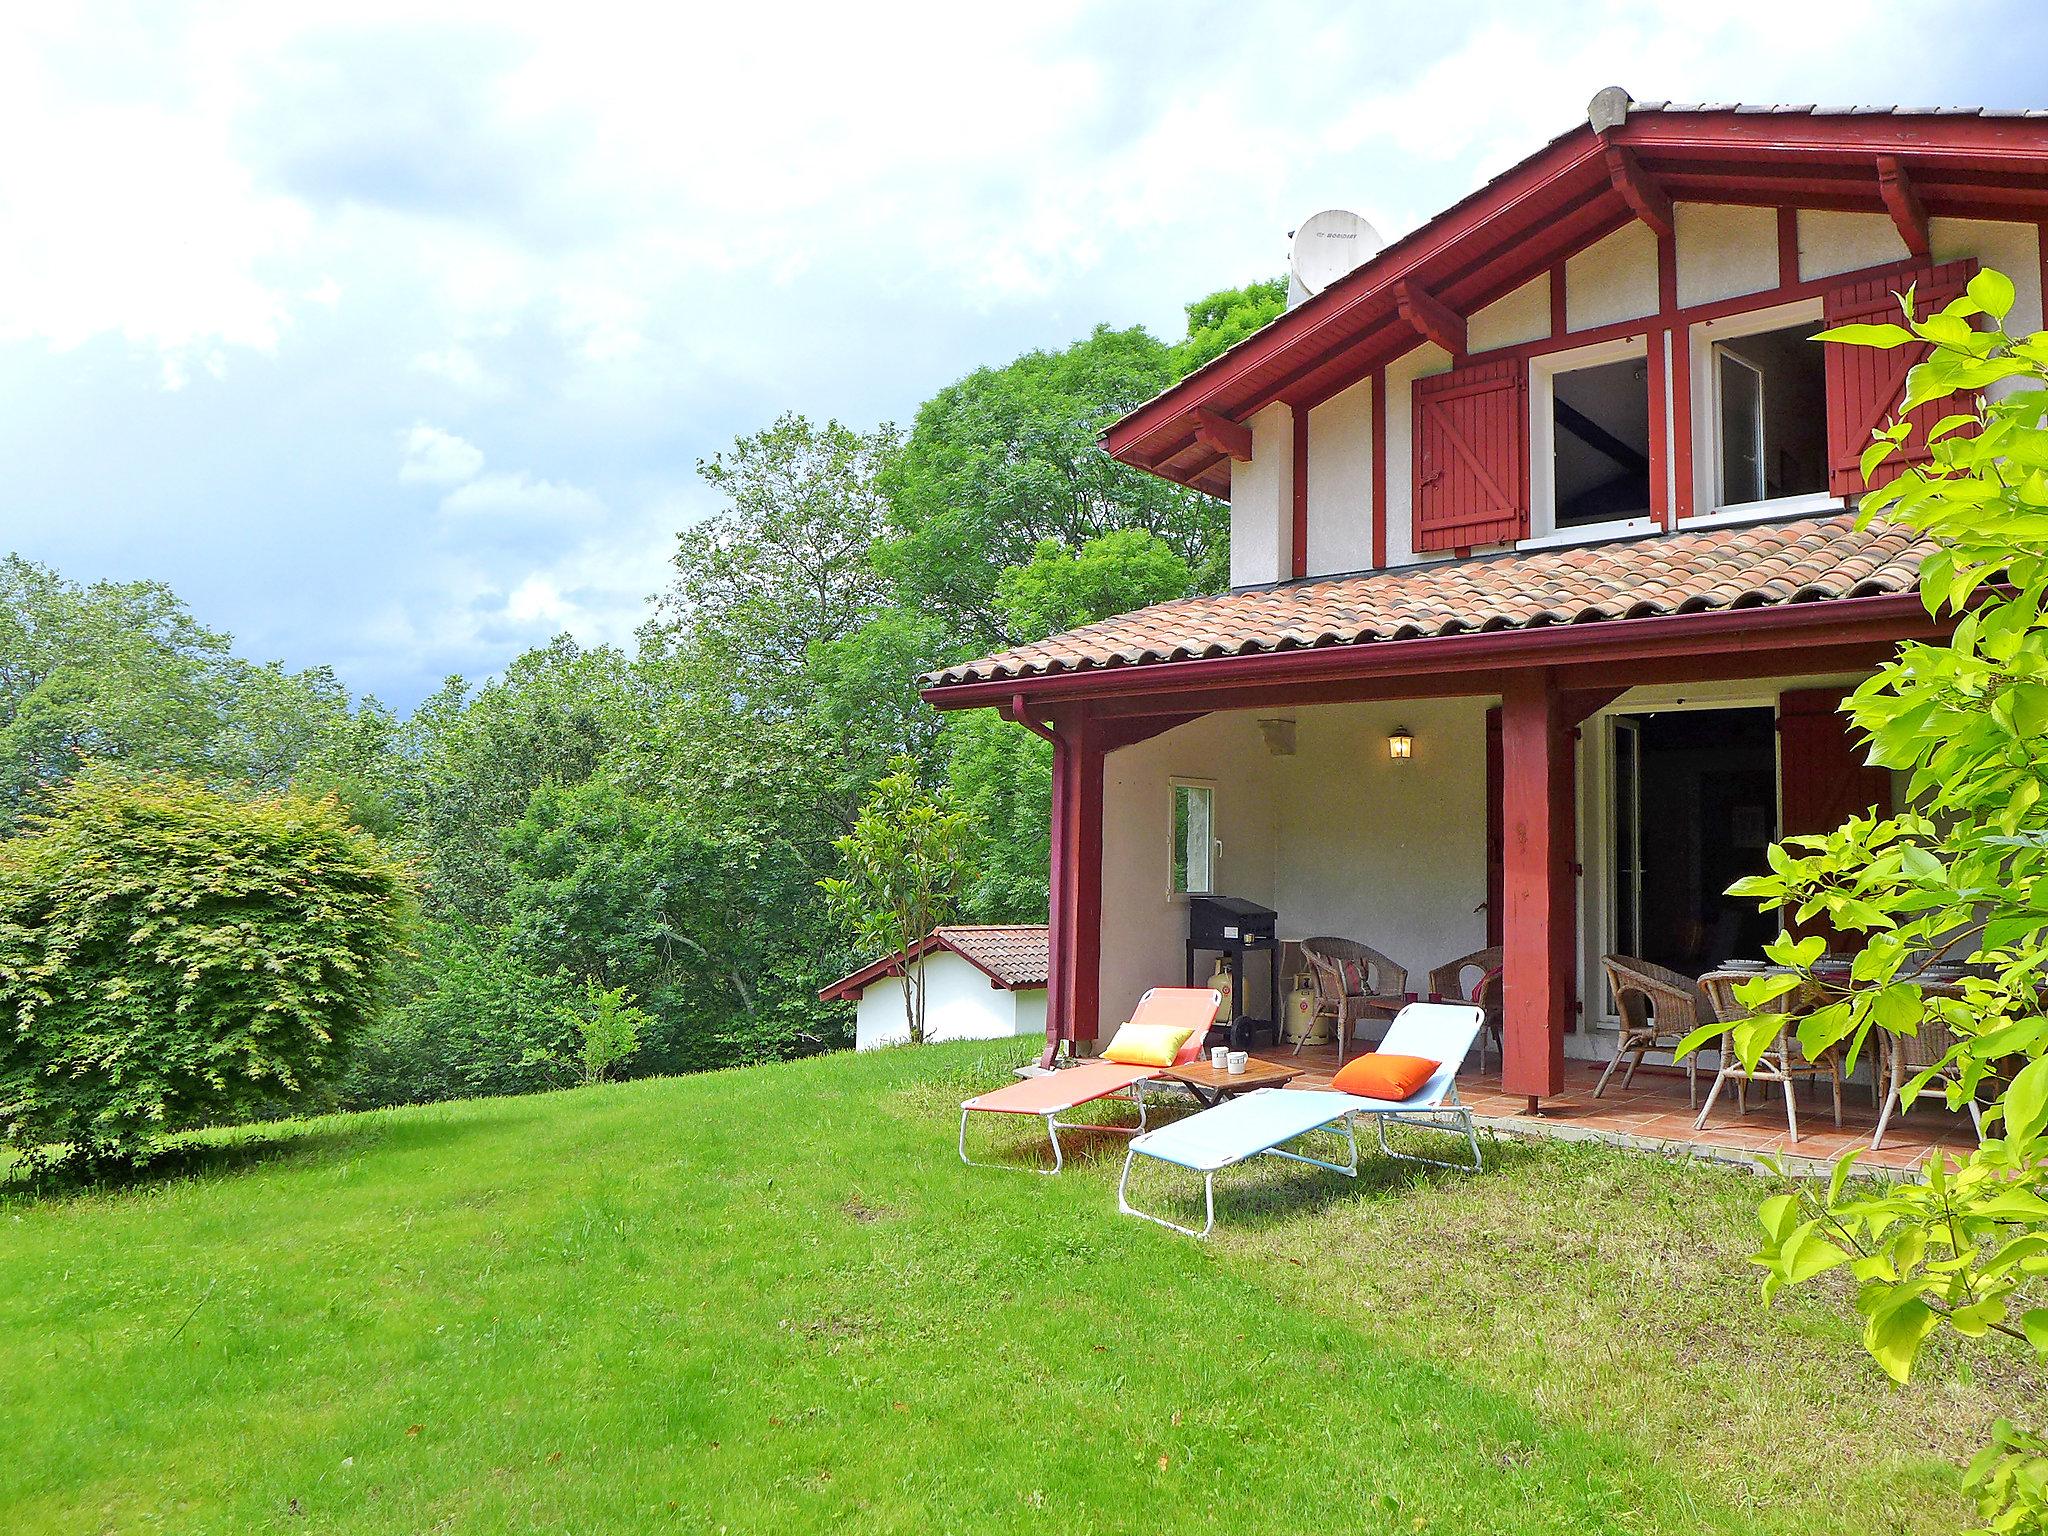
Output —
<point x="1706" y="423"/>
<point x="1174" y="785"/>
<point x="1543" y="371"/>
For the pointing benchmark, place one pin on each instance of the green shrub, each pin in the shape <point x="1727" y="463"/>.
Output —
<point x="608" y="1029"/>
<point x="476" y="1021"/>
<point x="173" y="957"/>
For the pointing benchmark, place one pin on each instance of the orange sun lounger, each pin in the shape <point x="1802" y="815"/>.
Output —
<point x="1054" y="1093"/>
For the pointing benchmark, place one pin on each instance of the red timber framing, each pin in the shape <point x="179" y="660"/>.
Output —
<point x="1548" y="682"/>
<point x="1910" y="167"/>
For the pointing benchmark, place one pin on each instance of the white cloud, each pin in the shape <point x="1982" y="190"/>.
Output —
<point x="437" y="457"/>
<point x="519" y="496"/>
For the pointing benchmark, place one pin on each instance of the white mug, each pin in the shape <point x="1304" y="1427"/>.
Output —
<point x="1235" y="1062"/>
<point x="1219" y="1055"/>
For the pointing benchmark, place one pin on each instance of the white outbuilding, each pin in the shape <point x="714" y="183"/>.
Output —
<point x="981" y="982"/>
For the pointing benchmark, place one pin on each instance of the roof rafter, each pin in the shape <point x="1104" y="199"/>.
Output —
<point x="1216" y="431"/>
<point x="1432" y="318"/>
<point x="1638" y="188"/>
<point x="1902" y="202"/>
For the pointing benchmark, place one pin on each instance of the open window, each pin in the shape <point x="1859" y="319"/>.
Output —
<point x="1193" y="867"/>
<point x="1600" y="443"/>
<point x="1770" y="416"/>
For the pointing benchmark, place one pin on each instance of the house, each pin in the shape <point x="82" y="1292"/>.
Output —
<point x="981" y="982"/>
<point x="1545" y="581"/>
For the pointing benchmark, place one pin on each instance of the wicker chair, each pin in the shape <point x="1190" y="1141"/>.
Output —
<point x="1448" y="983"/>
<point x="1659" y="1007"/>
<point x="1785" y="1062"/>
<point x="1376" y="988"/>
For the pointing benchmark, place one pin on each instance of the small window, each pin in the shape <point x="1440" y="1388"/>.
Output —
<point x="1194" y="839"/>
<point x="1600" y="443"/>
<point x="1771" y="403"/>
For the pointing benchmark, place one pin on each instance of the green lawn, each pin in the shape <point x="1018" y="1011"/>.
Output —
<point x="772" y="1300"/>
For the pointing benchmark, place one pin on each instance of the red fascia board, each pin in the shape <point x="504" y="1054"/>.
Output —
<point x="1831" y="622"/>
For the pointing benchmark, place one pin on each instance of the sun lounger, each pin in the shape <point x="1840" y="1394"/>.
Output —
<point x="1265" y="1121"/>
<point x="1054" y="1093"/>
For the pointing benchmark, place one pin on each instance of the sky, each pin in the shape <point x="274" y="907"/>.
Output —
<point x="390" y="335"/>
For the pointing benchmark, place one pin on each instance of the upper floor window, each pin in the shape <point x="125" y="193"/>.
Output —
<point x="1589" y="455"/>
<point x="1770" y="416"/>
<point x="1600" y="443"/>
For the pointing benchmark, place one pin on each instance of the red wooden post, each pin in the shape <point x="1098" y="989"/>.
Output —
<point x="1074" y="916"/>
<point x="1538" y="841"/>
<point x="1379" y="450"/>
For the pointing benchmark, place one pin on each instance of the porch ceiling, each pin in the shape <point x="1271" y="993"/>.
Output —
<point x="1765" y="565"/>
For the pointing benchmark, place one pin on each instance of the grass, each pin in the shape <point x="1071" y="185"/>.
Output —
<point x="772" y="1300"/>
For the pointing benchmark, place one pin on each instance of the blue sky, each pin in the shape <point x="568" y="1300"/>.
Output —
<point x="390" y="335"/>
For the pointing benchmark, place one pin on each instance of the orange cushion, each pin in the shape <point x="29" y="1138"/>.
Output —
<point x="1381" y="1075"/>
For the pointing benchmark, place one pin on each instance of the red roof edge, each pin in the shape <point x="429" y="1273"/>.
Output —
<point x="849" y="987"/>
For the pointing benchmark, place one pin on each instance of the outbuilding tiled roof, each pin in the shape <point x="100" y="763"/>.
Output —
<point x="1745" y="566"/>
<point x="1015" y="956"/>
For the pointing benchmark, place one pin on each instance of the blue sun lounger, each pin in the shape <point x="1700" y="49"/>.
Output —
<point x="1240" y="1129"/>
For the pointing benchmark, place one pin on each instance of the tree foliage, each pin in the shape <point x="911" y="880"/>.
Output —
<point x="905" y="866"/>
<point x="1963" y="876"/>
<point x="171" y="956"/>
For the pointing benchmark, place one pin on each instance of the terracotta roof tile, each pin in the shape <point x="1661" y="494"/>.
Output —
<point x="1750" y="565"/>
<point x="1014" y="955"/>
<point x="1017" y="956"/>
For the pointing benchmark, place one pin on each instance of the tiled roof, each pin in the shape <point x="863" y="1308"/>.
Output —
<point x="1016" y="956"/>
<point x="1746" y="566"/>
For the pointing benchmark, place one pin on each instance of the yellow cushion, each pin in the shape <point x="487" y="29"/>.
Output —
<point x="1384" y="1075"/>
<point x="1146" y="1045"/>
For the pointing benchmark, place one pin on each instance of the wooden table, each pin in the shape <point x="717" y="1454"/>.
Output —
<point x="1212" y="1085"/>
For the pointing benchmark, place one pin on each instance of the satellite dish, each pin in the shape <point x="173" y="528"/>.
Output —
<point x="1326" y="246"/>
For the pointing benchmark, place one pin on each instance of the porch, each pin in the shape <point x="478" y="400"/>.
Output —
<point x="1651" y="1114"/>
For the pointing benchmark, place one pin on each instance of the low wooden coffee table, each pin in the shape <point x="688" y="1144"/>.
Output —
<point x="1212" y="1085"/>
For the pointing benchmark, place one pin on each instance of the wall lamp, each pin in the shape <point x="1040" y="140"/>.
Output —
<point x="1400" y="744"/>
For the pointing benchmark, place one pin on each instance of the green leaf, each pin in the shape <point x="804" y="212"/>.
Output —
<point x="2034" y="1322"/>
<point x="1882" y="336"/>
<point x="2026" y="1101"/>
<point x="1993" y="292"/>
<point x="1894" y="1336"/>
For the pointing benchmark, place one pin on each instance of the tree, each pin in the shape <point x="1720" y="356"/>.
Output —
<point x="1007" y="458"/>
<point x="905" y="863"/>
<point x="1963" y="875"/>
<point x="608" y="1030"/>
<point x="117" y="672"/>
<point x="1063" y="588"/>
<point x="1221" y="320"/>
<point x="172" y="957"/>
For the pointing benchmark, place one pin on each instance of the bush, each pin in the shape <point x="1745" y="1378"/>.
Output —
<point x="477" y="1022"/>
<point x="172" y="957"/>
<point x="608" y="1029"/>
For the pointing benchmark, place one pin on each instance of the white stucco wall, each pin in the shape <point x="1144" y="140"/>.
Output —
<point x="1831" y="242"/>
<point x="1523" y="315"/>
<point x="1612" y="279"/>
<point x="1340" y="510"/>
<point x="959" y="1004"/>
<point x="1724" y="252"/>
<point x="1262" y="502"/>
<point x="1144" y="926"/>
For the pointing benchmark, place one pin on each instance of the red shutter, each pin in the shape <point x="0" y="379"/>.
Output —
<point x="1866" y="386"/>
<point x="1822" y="777"/>
<point x="1472" y="456"/>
